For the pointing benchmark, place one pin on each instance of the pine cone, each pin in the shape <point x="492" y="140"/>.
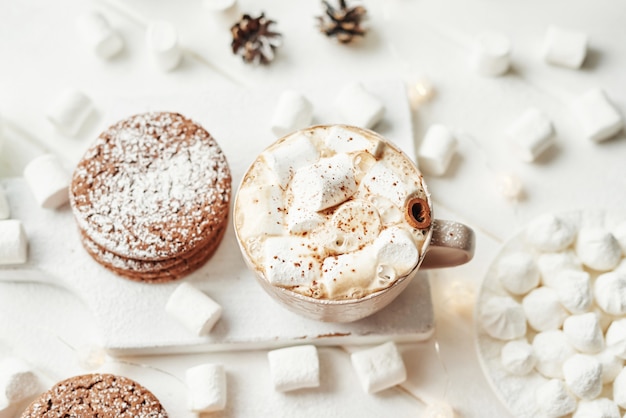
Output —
<point x="343" y="23"/>
<point x="253" y="40"/>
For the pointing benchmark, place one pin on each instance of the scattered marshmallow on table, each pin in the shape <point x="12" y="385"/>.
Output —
<point x="69" y="111"/>
<point x="616" y="338"/>
<point x="358" y="107"/>
<point x="550" y="233"/>
<point x="379" y="367"/>
<point x="611" y="365"/>
<point x="503" y="318"/>
<point x="436" y="150"/>
<point x="553" y="265"/>
<point x="597" y="408"/>
<point x="597" y="116"/>
<point x="162" y="42"/>
<point x="17" y="380"/>
<point x="573" y="289"/>
<point x="294" y="368"/>
<point x="531" y="134"/>
<point x="554" y="400"/>
<point x="13" y="242"/>
<point x="48" y="180"/>
<point x="565" y="48"/>
<point x="5" y="210"/>
<point x="543" y="310"/>
<point x="193" y="308"/>
<point x="518" y="273"/>
<point x="584" y="333"/>
<point x="583" y="376"/>
<point x="206" y="386"/>
<point x="598" y="249"/>
<point x="219" y="5"/>
<point x="518" y="357"/>
<point x="610" y="292"/>
<point x="491" y="54"/>
<point x="293" y="112"/>
<point x="96" y="33"/>
<point x="551" y="350"/>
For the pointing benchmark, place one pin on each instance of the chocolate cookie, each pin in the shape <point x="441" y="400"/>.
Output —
<point x="152" y="195"/>
<point x="96" y="395"/>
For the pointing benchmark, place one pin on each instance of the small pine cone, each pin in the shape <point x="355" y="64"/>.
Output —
<point x="343" y="23"/>
<point x="253" y="40"/>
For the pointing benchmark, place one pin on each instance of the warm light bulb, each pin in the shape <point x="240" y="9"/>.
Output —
<point x="420" y="91"/>
<point x="438" y="410"/>
<point x="459" y="295"/>
<point x="91" y="357"/>
<point x="510" y="186"/>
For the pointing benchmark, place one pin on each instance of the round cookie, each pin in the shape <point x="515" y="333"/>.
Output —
<point x="96" y="395"/>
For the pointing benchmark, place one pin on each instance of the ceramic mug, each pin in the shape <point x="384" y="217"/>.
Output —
<point x="297" y="218"/>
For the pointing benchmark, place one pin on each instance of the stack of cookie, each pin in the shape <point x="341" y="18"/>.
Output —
<point x="151" y="197"/>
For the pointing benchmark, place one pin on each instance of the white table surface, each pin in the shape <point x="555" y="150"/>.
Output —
<point x="40" y="56"/>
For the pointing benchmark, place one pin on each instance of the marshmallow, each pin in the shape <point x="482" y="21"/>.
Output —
<point x="219" y="5"/>
<point x="91" y="357"/>
<point x="436" y="150"/>
<point x="583" y="376"/>
<point x="510" y="186"/>
<point x="552" y="349"/>
<point x="379" y="367"/>
<point x="598" y="408"/>
<point x="194" y="309"/>
<point x="616" y="338"/>
<point x="619" y="232"/>
<point x="503" y="318"/>
<point x="610" y="292"/>
<point x="294" y="368"/>
<point x="358" y="107"/>
<point x="162" y="41"/>
<point x="388" y="213"/>
<point x="552" y="265"/>
<point x="293" y="112"/>
<point x="5" y="210"/>
<point x="264" y="210"/>
<point x="573" y="289"/>
<point x="584" y="333"/>
<point x="518" y="273"/>
<point x="13" y="242"/>
<point x="97" y="35"/>
<point x="289" y="262"/>
<point x="48" y="180"/>
<point x="324" y="184"/>
<point x="598" y="117"/>
<point x="549" y="233"/>
<point x="611" y="365"/>
<point x="17" y="380"/>
<point x="396" y="248"/>
<point x="491" y="54"/>
<point x="565" y="48"/>
<point x="69" y="111"/>
<point x="295" y="152"/>
<point x="357" y="224"/>
<point x="598" y="249"/>
<point x="340" y="139"/>
<point x="351" y="274"/>
<point x="206" y="386"/>
<point x="382" y="181"/>
<point x="531" y="134"/>
<point x="517" y="357"/>
<point x="543" y="309"/>
<point x="619" y="389"/>
<point x="554" y="400"/>
<point x="300" y="220"/>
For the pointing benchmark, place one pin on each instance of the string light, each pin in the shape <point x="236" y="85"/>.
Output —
<point x="420" y="92"/>
<point x="510" y="186"/>
<point x="438" y="410"/>
<point x="91" y="357"/>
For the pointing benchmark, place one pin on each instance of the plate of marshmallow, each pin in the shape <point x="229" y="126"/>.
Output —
<point x="551" y="317"/>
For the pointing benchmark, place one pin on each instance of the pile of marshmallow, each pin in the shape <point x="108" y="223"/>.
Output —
<point x="565" y="316"/>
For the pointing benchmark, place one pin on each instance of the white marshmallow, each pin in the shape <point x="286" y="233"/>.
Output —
<point x="518" y="357"/>
<point x="549" y="233"/>
<point x="350" y="274"/>
<point x="293" y="112"/>
<point x="358" y="107"/>
<point x="324" y="184"/>
<point x="503" y="318"/>
<point x="573" y="289"/>
<point x="584" y="333"/>
<point x="395" y="247"/>
<point x="554" y="400"/>
<point x="17" y="380"/>
<point x="619" y="232"/>
<point x="518" y="273"/>
<point x="300" y="220"/>
<point x="491" y="54"/>
<point x="611" y="365"/>
<point x="379" y="367"/>
<point x="619" y="389"/>
<point x="553" y="264"/>
<point x="610" y="292"/>
<point x="436" y="150"/>
<point x="357" y="224"/>
<point x="69" y="111"/>
<point x="597" y="116"/>
<point x="543" y="309"/>
<point x="48" y="180"/>
<point x="551" y="350"/>
<point x="597" y="408"/>
<point x="388" y="213"/>
<point x="294" y="368"/>
<point x="97" y="35"/>
<point x="206" y="386"/>
<point x="531" y="134"/>
<point x="598" y="249"/>
<point x="289" y="262"/>
<point x="382" y="181"/>
<point x="564" y="47"/>
<point x="264" y="212"/>
<point x="340" y="139"/>
<point x="510" y="186"/>
<point x="5" y="210"/>
<point x="616" y="338"/>
<point x="219" y="5"/>
<point x="162" y="42"/>
<point x="13" y="242"/>
<point x="583" y="376"/>
<point x="294" y="153"/>
<point x="193" y="308"/>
